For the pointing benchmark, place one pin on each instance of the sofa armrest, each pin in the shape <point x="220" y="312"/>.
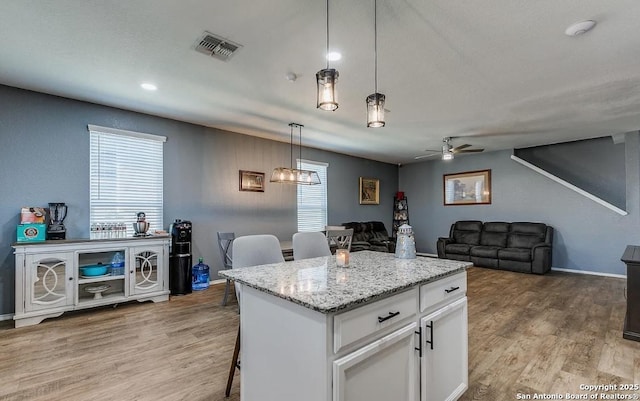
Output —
<point x="442" y="242"/>
<point x="541" y="258"/>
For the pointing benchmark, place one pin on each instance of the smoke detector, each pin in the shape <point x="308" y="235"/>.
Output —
<point x="216" y="46"/>
<point x="580" y="28"/>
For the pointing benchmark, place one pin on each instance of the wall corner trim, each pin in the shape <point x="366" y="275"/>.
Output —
<point x="569" y="185"/>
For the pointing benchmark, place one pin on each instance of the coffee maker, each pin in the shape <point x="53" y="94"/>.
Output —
<point x="180" y="258"/>
<point x="57" y="214"/>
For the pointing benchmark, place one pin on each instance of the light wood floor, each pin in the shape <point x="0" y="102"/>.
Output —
<point x="527" y="334"/>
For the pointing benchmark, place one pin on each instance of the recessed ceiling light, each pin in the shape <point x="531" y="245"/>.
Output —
<point x="580" y="28"/>
<point x="148" y="86"/>
<point x="334" y="56"/>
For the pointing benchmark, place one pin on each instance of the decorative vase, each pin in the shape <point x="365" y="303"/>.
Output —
<point x="405" y="243"/>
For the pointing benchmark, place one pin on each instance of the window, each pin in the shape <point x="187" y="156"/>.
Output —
<point x="312" y="199"/>
<point x="126" y="173"/>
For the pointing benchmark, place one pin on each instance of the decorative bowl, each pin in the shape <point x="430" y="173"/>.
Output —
<point x="93" y="270"/>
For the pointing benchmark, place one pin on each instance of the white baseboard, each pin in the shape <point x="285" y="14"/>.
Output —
<point x="8" y="316"/>
<point x="558" y="269"/>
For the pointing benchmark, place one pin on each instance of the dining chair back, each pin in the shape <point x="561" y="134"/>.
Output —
<point x="310" y="245"/>
<point x="340" y="238"/>
<point x="225" y="241"/>
<point x="251" y="250"/>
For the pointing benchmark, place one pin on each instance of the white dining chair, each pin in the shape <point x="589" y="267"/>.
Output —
<point x="251" y="250"/>
<point x="310" y="245"/>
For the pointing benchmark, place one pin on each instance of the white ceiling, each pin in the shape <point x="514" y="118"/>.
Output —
<point x="500" y="73"/>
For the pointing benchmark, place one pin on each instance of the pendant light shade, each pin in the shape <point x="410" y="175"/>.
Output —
<point x="327" y="79"/>
<point x="291" y="175"/>
<point x="375" y="102"/>
<point x="375" y="110"/>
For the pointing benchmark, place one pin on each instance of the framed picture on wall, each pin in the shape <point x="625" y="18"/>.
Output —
<point x="369" y="191"/>
<point x="251" y="181"/>
<point x="468" y="188"/>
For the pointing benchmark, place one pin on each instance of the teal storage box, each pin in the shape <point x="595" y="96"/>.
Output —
<point x="31" y="232"/>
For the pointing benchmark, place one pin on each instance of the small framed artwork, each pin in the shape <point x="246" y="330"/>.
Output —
<point x="468" y="188"/>
<point x="251" y="181"/>
<point x="369" y="191"/>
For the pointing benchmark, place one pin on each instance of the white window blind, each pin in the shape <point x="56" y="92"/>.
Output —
<point x="312" y="199"/>
<point x="126" y="173"/>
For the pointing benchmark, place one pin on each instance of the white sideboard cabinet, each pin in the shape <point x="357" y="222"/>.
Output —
<point x="49" y="280"/>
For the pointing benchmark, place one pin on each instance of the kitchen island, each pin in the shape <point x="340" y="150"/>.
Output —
<point x="381" y="329"/>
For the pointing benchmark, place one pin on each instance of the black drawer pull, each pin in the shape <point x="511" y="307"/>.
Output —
<point x="391" y="314"/>
<point x="452" y="289"/>
<point x="430" y="327"/>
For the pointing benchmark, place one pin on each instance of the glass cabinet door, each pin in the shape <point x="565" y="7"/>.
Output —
<point x="145" y="269"/>
<point x="49" y="281"/>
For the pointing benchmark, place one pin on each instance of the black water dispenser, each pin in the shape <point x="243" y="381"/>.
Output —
<point x="180" y="258"/>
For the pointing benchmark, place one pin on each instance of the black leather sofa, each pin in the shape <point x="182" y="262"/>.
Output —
<point x="370" y="235"/>
<point x="521" y="247"/>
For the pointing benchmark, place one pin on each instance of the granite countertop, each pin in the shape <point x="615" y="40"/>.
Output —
<point x="320" y="285"/>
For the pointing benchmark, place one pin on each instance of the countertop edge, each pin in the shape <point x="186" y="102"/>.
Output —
<point x="350" y="305"/>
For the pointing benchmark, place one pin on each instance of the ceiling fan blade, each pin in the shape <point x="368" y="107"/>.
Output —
<point x="460" y="147"/>
<point x="425" y="156"/>
<point x="469" y="151"/>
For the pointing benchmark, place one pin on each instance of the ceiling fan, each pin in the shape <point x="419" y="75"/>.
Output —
<point x="448" y="150"/>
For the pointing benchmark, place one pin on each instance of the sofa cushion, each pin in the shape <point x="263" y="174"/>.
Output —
<point x="468" y="225"/>
<point x="466" y="237"/>
<point x="493" y="239"/>
<point x="461" y="249"/>
<point x="524" y="240"/>
<point x="484" y="251"/>
<point x="496" y="227"/>
<point x="529" y="228"/>
<point x="518" y="254"/>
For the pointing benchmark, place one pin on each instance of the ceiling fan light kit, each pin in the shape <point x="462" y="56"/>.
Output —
<point x="326" y="80"/>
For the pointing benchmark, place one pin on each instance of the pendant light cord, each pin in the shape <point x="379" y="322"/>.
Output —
<point x="375" y="44"/>
<point x="327" y="54"/>
<point x="291" y="148"/>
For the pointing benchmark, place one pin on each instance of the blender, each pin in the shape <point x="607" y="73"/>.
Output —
<point x="57" y="214"/>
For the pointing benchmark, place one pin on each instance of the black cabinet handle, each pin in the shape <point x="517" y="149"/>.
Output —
<point x="419" y="349"/>
<point x="430" y="327"/>
<point x="452" y="289"/>
<point x="391" y="314"/>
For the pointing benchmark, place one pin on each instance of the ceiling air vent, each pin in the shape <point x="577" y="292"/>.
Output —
<point x="216" y="46"/>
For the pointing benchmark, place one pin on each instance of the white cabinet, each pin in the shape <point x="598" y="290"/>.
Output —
<point x="443" y="369"/>
<point x="379" y="351"/>
<point x="49" y="280"/>
<point x="386" y="369"/>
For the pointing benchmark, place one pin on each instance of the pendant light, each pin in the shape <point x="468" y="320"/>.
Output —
<point x="291" y="175"/>
<point x="375" y="102"/>
<point x="326" y="80"/>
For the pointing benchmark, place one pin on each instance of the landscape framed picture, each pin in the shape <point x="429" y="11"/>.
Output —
<point x="468" y="188"/>
<point x="251" y="181"/>
<point x="369" y="191"/>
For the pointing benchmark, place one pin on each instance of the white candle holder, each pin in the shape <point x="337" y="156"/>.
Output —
<point x="342" y="257"/>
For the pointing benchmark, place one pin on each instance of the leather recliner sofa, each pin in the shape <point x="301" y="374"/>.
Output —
<point x="370" y="235"/>
<point x="521" y="247"/>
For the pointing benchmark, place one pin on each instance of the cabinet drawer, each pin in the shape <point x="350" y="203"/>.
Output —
<point x="445" y="290"/>
<point x="355" y="324"/>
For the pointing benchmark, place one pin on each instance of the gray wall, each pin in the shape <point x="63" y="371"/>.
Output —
<point x="44" y="157"/>
<point x="588" y="236"/>
<point x="595" y="165"/>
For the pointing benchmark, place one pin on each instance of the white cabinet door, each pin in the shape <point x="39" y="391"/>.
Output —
<point x="146" y="269"/>
<point x="386" y="369"/>
<point x="48" y="281"/>
<point x="444" y="367"/>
